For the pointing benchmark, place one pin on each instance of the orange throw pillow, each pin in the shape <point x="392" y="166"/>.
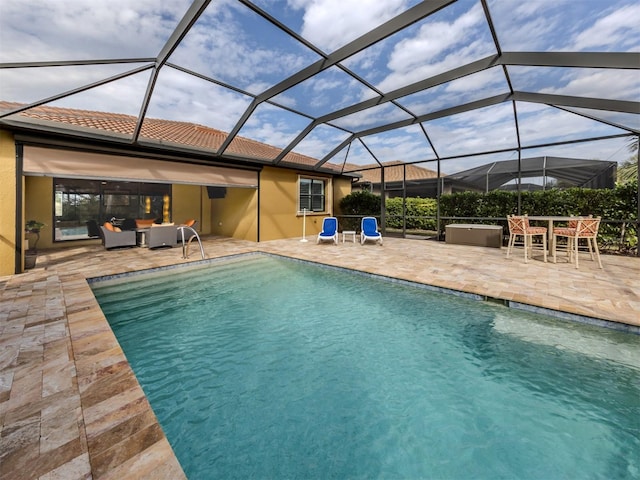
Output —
<point x="109" y="226"/>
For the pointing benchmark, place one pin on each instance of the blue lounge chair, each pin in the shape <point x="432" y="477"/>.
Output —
<point x="369" y="230"/>
<point x="329" y="230"/>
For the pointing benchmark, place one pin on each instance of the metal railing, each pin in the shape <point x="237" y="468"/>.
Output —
<point x="185" y="244"/>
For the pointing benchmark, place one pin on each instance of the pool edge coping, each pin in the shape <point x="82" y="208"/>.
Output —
<point x="550" y="312"/>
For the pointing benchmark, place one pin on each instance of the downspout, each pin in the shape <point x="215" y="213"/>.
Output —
<point x="404" y="200"/>
<point x="18" y="262"/>
<point x="383" y="216"/>
<point x="438" y="194"/>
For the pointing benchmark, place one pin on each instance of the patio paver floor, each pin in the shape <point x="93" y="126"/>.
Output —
<point x="70" y="406"/>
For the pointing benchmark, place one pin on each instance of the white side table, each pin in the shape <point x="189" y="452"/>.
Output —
<point x="349" y="232"/>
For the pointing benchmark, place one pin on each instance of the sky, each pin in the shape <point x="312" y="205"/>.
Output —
<point x="235" y="47"/>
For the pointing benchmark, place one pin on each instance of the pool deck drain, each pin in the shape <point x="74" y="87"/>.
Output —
<point x="70" y="406"/>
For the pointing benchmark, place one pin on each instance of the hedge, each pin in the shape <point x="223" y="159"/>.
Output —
<point x="620" y="204"/>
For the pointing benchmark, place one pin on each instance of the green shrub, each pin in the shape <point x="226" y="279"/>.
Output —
<point x="620" y="203"/>
<point x="358" y="204"/>
<point x="417" y="211"/>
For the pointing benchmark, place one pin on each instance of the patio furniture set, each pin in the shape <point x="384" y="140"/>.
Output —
<point x="368" y="231"/>
<point x="576" y="229"/>
<point x="145" y="233"/>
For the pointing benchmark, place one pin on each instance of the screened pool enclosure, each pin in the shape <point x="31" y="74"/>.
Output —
<point x="448" y="86"/>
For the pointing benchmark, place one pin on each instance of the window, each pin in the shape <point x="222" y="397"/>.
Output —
<point x="312" y="194"/>
<point x="78" y="202"/>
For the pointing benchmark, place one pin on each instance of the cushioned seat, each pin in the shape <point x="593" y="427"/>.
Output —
<point x="188" y="234"/>
<point x="519" y="227"/>
<point x="144" y="223"/>
<point x="329" y="230"/>
<point x="586" y="228"/>
<point x="369" y="230"/>
<point x="162" y="236"/>
<point x="113" y="237"/>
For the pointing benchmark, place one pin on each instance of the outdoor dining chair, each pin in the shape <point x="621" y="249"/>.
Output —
<point x="519" y="227"/>
<point x="586" y="228"/>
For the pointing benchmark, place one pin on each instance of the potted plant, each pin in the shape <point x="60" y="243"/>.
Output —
<point x="32" y="227"/>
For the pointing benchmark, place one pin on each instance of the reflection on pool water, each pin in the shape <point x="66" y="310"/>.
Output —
<point x="271" y="368"/>
<point x="71" y="233"/>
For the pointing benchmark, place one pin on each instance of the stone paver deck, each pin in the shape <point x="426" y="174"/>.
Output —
<point x="71" y="408"/>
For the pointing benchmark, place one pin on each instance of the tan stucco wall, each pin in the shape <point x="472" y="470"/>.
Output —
<point x="341" y="188"/>
<point x="235" y="215"/>
<point x="279" y="203"/>
<point x="191" y="201"/>
<point x="38" y="205"/>
<point x="7" y="204"/>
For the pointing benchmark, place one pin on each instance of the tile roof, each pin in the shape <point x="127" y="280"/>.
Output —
<point x="393" y="172"/>
<point x="163" y="131"/>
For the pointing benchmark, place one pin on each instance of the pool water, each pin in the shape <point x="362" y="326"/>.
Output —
<point x="270" y="368"/>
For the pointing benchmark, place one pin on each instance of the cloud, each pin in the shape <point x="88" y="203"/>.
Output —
<point x="486" y="129"/>
<point x="599" y="83"/>
<point x="122" y="96"/>
<point x="183" y="97"/>
<point x="370" y="117"/>
<point x="436" y="47"/>
<point x="331" y="24"/>
<point x="33" y="30"/>
<point x="406" y="144"/>
<point x="619" y="29"/>
<point x="544" y="124"/>
<point x="526" y="26"/>
<point x="321" y="141"/>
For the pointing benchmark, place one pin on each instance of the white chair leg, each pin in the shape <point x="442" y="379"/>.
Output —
<point x="510" y="244"/>
<point x="525" y="248"/>
<point x="576" y="250"/>
<point x="597" y="251"/>
<point x="544" y="247"/>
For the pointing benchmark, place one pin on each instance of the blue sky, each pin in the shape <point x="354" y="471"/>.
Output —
<point x="235" y="46"/>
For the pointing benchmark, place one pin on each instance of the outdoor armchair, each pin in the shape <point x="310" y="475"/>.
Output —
<point x="162" y="236"/>
<point x="113" y="237"/>
<point x="519" y="227"/>
<point x="586" y="228"/>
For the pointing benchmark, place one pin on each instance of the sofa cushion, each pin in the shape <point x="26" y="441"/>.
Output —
<point x="144" y="223"/>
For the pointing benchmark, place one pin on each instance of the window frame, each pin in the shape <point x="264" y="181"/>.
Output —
<point x="127" y="195"/>
<point x="325" y="195"/>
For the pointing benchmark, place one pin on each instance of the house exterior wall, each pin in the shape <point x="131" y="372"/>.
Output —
<point x="8" y="192"/>
<point x="38" y="205"/>
<point x="341" y="188"/>
<point x="235" y="215"/>
<point x="191" y="201"/>
<point x="279" y="217"/>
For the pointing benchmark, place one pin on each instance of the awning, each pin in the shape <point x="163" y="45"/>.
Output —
<point x="74" y="164"/>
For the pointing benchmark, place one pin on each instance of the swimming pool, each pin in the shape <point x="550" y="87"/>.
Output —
<point x="271" y="368"/>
